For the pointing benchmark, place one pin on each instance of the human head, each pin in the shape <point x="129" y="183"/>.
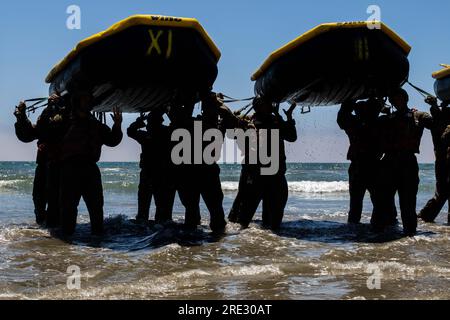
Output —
<point x="179" y="114"/>
<point x="82" y="101"/>
<point x="399" y="99"/>
<point x="369" y="109"/>
<point x="155" y="119"/>
<point x="261" y="105"/>
<point x="210" y="103"/>
<point x="210" y="97"/>
<point x="361" y="109"/>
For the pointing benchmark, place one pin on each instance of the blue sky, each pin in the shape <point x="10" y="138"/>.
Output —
<point x="33" y="37"/>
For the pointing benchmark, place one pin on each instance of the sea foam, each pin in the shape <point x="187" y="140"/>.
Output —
<point x="302" y="186"/>
<point x="11" y="184"/>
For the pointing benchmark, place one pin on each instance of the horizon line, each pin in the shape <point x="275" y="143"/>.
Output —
<point x="288" y="162"/>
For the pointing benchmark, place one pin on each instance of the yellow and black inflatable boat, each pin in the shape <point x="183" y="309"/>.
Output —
<point x="140" y="63"/>
<point x="442" y="84"/>
<point x="335" y="62"/>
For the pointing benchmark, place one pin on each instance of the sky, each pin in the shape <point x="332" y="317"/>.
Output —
<point x="34" y="37"/>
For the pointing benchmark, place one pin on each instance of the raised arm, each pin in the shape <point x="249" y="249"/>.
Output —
<point x="112" y="137"/>
<point x="345" y="118"/>
<point x="434" y="107"/>
<point x="25" y="131"/>
<point x="134" y="131"/>
<point x="425" y="120"/>
<point x="288" y="131"/>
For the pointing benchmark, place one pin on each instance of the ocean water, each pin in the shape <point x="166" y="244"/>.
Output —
<point x="316" y="255"/>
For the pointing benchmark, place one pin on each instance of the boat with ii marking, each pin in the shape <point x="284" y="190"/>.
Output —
<point x="335" y="62"/>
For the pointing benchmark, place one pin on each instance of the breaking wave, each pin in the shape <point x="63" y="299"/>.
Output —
<point x="126" y="185"/>
<point x="319" y="186"/>
<point x="17" y="184"/>
<point x="302" y="186"/>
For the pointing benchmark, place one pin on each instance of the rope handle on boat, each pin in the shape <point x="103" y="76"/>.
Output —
<point x="40" y="102"/>
<point x="421" y="91"/>
<point x="239" y="111"/>
<point x="36" y="100"/>
<point x="305" y="109"/>
<point x="247" y="106"/>
<point x="231" y="100"/>
<point x="37" y="104"/>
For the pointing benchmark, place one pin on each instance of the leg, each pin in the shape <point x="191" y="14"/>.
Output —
<point x="357" y="191"/>
<point x="39" y="193"/>
<point x="93" y="197"/>
<point x="448" y="182"/>
<point x="435" y="205"/>
<point x="70" y="194"/>
<point x="266" y="212"/>
<point x="235" y="208"/>
<point x="376" y="186"/>
<point x="164" y="194"/>
<point x="234" y="212"/>
<point x="169" y="200"/>
<point x="267" y="197"/>
<point x="408" y="188"/>
<point x="274" y="200"/>
<point x="212" y="194"/>
<point x="189" y="196"/>
<point x="144" y="196"/>
<point x="53" y="180"/>
<point x="191" y="202"/>
<point x="392" y="212"/>
<point x="252" y="194"/>
<point x="384" y="194"/>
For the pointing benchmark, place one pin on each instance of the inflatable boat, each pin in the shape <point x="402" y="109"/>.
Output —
<point x="335" y="62"/>
<point x="442" y="84"/>
<point x="141" y="63"/>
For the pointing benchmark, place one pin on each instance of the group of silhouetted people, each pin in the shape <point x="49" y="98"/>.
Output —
<point x="70" y="138"/>
<point x="383" y="148"/>
<point x="162" y="178"/>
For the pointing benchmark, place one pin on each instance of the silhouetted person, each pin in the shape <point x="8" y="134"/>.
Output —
<point x="402" y="133"/>
<point x="215" y="115"/>
<point x="446" y="140"/>
<point x="52" y="127"/>
<point x="272" y="190"/>
<point x="207" y="175"/>
<point x="441" y="119"/>
<point x="81" y="150"/>
<point x="49" y="130"/>
<point x="155" y="177"/>
<point x="25" y="132"/>
<point x="184" y="174"/>
<point x="235" y="210"/>
<point x="233" y="216"/>
<point x="364" y="151"/>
